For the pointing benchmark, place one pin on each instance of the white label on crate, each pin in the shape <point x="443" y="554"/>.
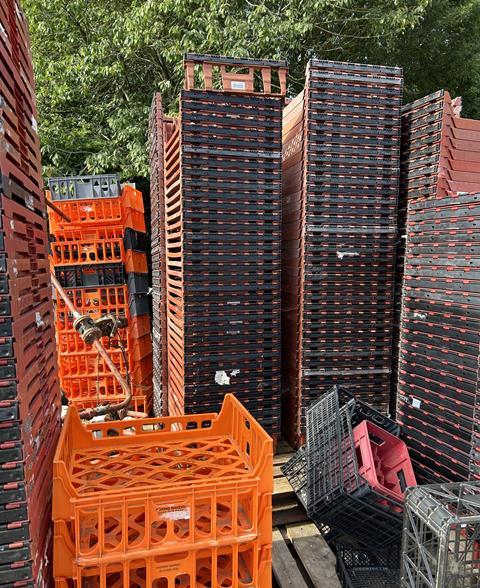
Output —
<point x="419" y="315"/>
<point x="221" y="378"/>
<point x="236" y="85"/>
<point x="416" y="403"/>
<point x="342" y="254"/>
<point x="39" y="320"/>
<point x="30" y="202"/>
<point x="173" y="513"/>
<point x="34" y="124"/>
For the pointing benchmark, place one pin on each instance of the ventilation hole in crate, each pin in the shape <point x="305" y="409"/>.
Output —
<point x="376" y="440"/>
<point x="402" y="480"/>
<point x="358" y="454"/>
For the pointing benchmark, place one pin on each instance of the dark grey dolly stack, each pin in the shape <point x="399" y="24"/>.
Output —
<point x="223" y="208"/>
<point x="157" y="210"/>
<point x="439" y="337"/>
<point x="341" y="150"/>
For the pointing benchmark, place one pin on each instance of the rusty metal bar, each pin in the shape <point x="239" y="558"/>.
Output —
<point x="56" y="209"/>
<point x="89" y="413"/>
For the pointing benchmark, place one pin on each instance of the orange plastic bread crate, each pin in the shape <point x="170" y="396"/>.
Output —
<point x="136" y="262"/>
<point x="245" y="565"/>
<point x="87" y="251"/>
<point x="133" y="211"/>
<point x="87" y="392"/>
<point x="124" y="211"/>
<point x="174" y="501"/>
<point x="97" y="299"/>
<point x="85" y="213"/>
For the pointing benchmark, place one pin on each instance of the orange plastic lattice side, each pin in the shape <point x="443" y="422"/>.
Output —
<point x="90" y="233"/>
<point x="85" y="213"/>
<point x="76" y="358"/>
<point x="89" y="299"/>
<point x="70" y="342"/>
<point x="246" y="565"/>
<point x="87" y="251"/>
<point x="162" y="485"/>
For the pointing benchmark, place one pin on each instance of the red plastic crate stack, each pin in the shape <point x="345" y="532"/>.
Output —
<point x="439" y="337"/>
<point x="341" y="152"/>
<point x="99" y="257"/>
<point x="437" y="361"/>
<point x="29" y="395"/>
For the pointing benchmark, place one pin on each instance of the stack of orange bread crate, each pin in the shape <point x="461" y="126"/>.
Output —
<point x="172" y="502"/>
<point x="99" y="257"/>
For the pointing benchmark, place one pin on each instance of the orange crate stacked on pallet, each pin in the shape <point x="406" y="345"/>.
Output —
<point x="172" y="502"/>
<point x="98" y="253"/>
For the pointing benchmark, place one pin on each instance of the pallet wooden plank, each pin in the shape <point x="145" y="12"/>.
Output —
<point x="315" y="555"/>
<point x="284" y="565"/>
<point x="282" y="491"/>
<point x="288" y="514"/>
<point x="277" y="472"/>
<point x="282" y="458"/>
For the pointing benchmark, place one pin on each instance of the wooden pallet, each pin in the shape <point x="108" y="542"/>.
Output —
<point x="301" y="556"/>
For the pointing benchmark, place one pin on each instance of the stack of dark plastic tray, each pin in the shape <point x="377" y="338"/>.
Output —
<point x="439" y="345"/>
<point x="440" y="156"/>
<point x="341" y="140"/>
<point x="223" y="239"/>
<point x="29" y="395"/>
<point x="420" y="158"/>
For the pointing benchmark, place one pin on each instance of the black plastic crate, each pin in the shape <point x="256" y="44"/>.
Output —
<point x="336" y="493"/>
<point x="138" y="304"/>
<point x="295" y="470"/>
<point x="111" y="274"/>
<point x="137" y="283"/>
<point x="135" y="240"/>
<point x="361" y="568"/>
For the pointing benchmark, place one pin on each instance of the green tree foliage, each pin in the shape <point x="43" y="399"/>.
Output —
<point x="443" y="51"/>
<point x="98" y="62"/>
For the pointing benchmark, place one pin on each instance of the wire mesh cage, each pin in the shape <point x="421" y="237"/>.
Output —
<point x="337" y="495"/>
<point x="360" y="568"/>
<point x="441" y="536"/>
